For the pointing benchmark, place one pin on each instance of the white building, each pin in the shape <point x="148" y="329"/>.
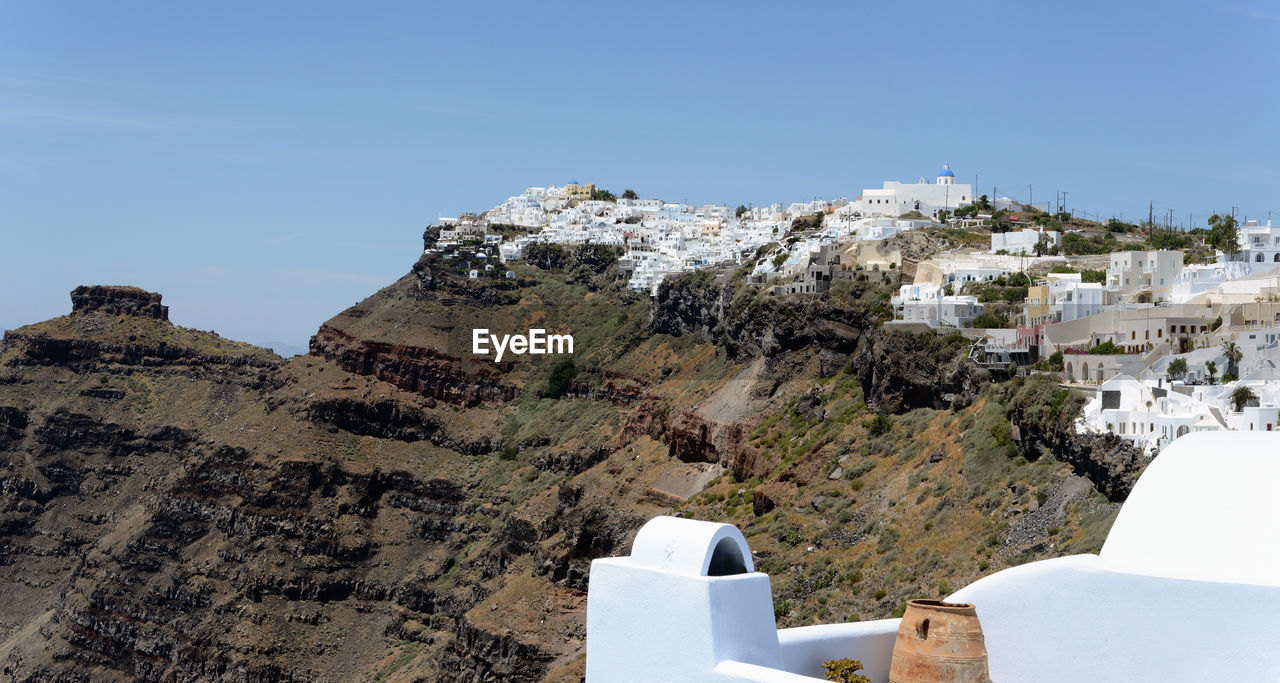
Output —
<point x="926" y="303"/>
<point x="1201" y="278"/>
<point x="1144" y="274"/>
<point x="1069" y="298"/>
<point x="1024" y="241"/>
<point x="1259" y="245"/>
<point x="896" y="198"/>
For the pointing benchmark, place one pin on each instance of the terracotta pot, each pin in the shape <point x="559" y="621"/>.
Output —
<point x="939" y="641"/>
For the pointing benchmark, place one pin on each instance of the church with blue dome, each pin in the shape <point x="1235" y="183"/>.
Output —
<point x="946" y="176"/>
<point x="928" y="199"/>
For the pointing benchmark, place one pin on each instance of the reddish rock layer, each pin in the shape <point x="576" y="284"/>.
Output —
<point x="414" y="368"/>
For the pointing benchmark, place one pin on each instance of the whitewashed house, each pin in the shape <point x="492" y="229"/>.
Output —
<point x="1148" y="275"/>
<point x="926" y="303"/>
<point x="1024" y="241"/>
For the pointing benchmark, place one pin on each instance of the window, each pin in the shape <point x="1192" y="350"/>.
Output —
<point x="1159" y="332"/>
<point x="1133" y="334"/>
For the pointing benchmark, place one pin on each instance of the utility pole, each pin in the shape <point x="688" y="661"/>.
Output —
<point x="1151" y="206"/>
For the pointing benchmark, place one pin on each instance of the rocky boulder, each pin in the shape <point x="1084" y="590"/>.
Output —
<point x="113" y="300"/>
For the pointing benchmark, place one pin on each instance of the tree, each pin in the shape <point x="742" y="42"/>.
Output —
<point x="1042" y="244"/>
<point x="1055" y="361"/>
<point x="1233" y="354"/>
<point x="1177" y="368"/>
<point x="1223" y="233"/>
<point x="1242" y="396"/>
<point x="603" y="195"/>
<point x="740" y="211"/>
<point x="1212" y="369"/>
<point x="561" y="378"/>
<point x="630" y="194"/>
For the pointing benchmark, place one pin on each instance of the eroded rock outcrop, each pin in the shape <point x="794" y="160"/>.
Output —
<point x="87" y="354"/>
<point x="418" y="369"/>
<point x="1043" y="416"/>
<point x="699" y="305"/>
<point x="114" y="300"/>
<point x="901" y="371"/>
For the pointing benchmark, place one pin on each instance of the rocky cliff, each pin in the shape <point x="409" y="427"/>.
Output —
<point x="747" y="325"/>
<point x="901" y="371"/>
<point x="118" y="301"/>
<point x="175" y="506"/>
<point x="423" y="370"/>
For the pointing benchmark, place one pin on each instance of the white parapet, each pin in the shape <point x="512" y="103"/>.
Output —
<point x="1186" y="588"/>
<point x="683" y="602"/>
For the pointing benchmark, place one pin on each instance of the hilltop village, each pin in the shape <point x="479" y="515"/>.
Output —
<point x="1171" y="331"/>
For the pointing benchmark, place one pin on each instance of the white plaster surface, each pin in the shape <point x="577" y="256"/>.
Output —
<point x="684" y="545"/>
<point x="1205" y="509"/>
<point x="1073" y="619"/>
<point x="1187" y="588"/>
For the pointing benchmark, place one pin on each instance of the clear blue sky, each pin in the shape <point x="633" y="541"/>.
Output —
<point x="265" y="165"/>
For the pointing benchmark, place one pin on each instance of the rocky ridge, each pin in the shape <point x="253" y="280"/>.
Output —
<point x="384" y="509"/>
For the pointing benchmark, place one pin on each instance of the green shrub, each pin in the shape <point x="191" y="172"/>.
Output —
<point x="1107" y="348"/>
<point x="561" y="378"/>
<point x="879" y="425"/>
<point x="844" y="671"/>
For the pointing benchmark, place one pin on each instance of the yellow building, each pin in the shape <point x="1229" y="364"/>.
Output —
<point x="577" y="191"/>
<point x="1037" y="305"/>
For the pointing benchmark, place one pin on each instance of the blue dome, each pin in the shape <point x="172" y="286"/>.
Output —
<point x="946" y="173"/>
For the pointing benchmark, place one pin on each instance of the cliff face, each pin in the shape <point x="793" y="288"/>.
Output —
<point x="413" y="368"/>
<point x="752" y="327"/>
<point x="175" y="506"/>
<point x="118" y="301"/>
<point x="1044" y="416"/>
<point x="901" y="371"/>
